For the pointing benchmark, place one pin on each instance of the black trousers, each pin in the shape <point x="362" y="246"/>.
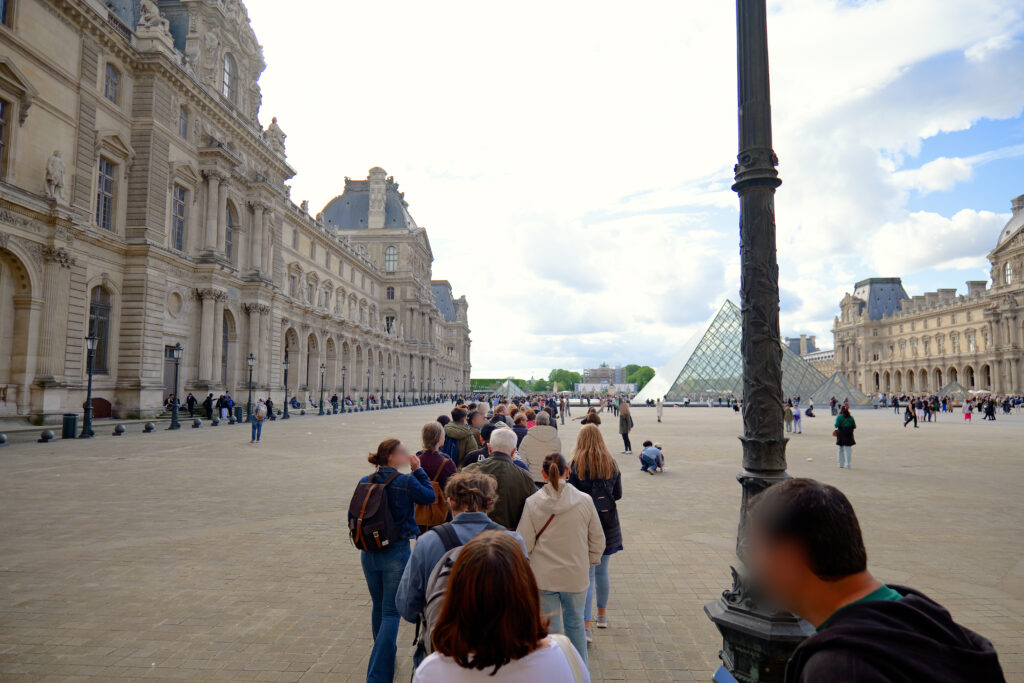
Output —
<point x="625" y="442"/>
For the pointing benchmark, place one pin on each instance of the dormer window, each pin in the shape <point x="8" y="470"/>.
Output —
<point x="230" y="78"/>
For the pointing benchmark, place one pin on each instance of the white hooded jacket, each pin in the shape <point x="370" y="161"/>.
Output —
<point x="571" y="544"/>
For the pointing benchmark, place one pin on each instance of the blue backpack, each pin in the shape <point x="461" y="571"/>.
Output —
<point x="450" y="449"/>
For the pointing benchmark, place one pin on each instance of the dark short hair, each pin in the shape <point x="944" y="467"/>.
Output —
<point x="487" y="430"/>
<point x="443" y="419"/>
<point x="818" y="517"/>
<point x="459" y="414"/>
<point x="648" y="444"/>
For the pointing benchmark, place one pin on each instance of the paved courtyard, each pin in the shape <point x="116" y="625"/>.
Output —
<point x="193" y="556"/>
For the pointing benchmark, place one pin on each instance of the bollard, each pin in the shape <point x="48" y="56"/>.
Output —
<point x="150" y="427"/>
<point x="118" y="430"/>
<point x="197" y="423"/>
<point x="231" y="420"/>
<point x="3" y="439"/>
<point x="46" y="436"/>
<point x="302" y="412"/>
<point x="215" y="421"/>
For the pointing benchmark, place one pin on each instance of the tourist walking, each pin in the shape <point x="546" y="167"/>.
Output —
<point x="787" y="416"/>
<point x="797" y="422"/>
<point x="659" y="409"/>
<point x="384" y="564"/>
<point x="539" y="442"/>
<point x="910" y="415"/>
<point x="564" y="538"/>
<point x="845" y="424"/>
<point x="625" y="426"/>
<point x="259" y="416"/>
<point x="515" y="484"/>
<point x="593" y="471"/>
<point x="502" y="639"/>
<point x="190" y="402"/>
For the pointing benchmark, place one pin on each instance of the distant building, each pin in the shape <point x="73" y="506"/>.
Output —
<point x="823" y="360"/>
<point x="604" y="375"/>
<point x="802" y="345"/>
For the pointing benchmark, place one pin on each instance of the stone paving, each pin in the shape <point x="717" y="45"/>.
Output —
<point x="194" y="556"/>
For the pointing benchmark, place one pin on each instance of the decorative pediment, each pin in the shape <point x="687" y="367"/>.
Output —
<point x="112" y="141"/>
<point x="184" y="171"/>
<point x="14" y="82"/>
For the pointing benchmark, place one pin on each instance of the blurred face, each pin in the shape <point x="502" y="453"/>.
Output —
<point x="400" y="457"/>
<point x="779" y="567"/>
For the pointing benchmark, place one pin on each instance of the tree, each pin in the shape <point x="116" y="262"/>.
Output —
<point x="641" y="376"/>
<point x="565" y="379"/>
<point x="539" y="385"/>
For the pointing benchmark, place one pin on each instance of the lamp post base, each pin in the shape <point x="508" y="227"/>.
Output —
<point x="756" y="641"/>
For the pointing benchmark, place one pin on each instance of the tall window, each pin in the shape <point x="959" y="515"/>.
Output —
<point x="183" y="123"/>
<point x="312" y="250"/>
<point x="105" y="194"/>
<point x="229" y="234"/>
<point x="391" y="259"/>
<point x="293" y="285"/>
<point x="112" y="84"/>
<point x="389" y="322"/>
<point x="178" y="218"/>
<point x="230" y="78"/>
<point x="310" y="289"/>
<point x="391" y="293"/>
<point x="295" y="239"/>
<point x="5" y="131"/>
<point x="1008" y="274"/>
<point x="99" y="326"/>
<point x="5" y="12"/>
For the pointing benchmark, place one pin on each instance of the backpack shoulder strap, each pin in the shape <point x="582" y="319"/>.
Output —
<point x="565" y="645"/>
<point x="543" y="529"/>
<point x="438" y="472"/>
<point x="449" y="539"/>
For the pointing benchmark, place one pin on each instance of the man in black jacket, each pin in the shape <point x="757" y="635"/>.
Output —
<point x="805" y="548"/>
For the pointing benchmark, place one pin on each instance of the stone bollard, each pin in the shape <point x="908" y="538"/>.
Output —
<point x="231" y="419"/>
<point x="197" y="423"/>
<point x="46" y="436"/>
<point x="215" y="421"/>
<point x="302" y="412"/>
<point x="118" y="430"/>
<point x="3" y="439"/>
<point x="150" y="427"/>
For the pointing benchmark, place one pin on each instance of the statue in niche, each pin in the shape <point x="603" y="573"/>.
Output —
<point x="210" y="45"/>
<point x="55" y="171"/>
<point x="275" y="137"/>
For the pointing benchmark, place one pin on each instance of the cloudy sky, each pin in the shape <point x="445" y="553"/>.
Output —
<point x="572" y="160"/>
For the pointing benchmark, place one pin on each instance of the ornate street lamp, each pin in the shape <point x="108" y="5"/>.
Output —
<point x="394" y="389"/>
<point x="412" y="380"/>
<point x="457" y="388"/>
<point x="91" y="342"/>
<point x="251" y="360"/>
<point x="286" y="398"/>
<point x="176" y="355"/>
<point x="381" y="388"/>
<point x="344" y="371"/>
<point x="757" y="640"/>
<point x="442" y="387"/>
<point x="323" y="368"/>
<point x="367" y="388"/>
<point x="405" y="389"/>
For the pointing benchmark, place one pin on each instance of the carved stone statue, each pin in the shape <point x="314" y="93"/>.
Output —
<point x="150" y="19"/>
<point x="275" y="137"/>
<point x="210" y="45"/>
<point x="55" y="176"/>
<point x="304" y="206"/>
<point x="255" y="100"/>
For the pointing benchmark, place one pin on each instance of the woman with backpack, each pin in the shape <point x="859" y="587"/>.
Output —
<point x="625" y="426"/>
<point x="845" y="425"/>
<point x="503" y="638"/>
<point x="439" y="469"/>
<point x="564" y="539"/>
<point x="382" y="519"/>
<point x="594" y="471"/>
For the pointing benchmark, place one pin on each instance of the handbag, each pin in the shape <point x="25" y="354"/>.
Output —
<point x="835" y="432"/>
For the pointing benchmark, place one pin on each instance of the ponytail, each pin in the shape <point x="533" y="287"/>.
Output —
<point x="554" y="465"/>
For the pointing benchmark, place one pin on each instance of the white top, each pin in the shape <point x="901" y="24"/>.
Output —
<point x="547" y="664"/>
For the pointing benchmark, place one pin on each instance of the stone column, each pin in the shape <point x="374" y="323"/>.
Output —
<point x="267" y="234"/>
<point x="256" y="236"/>
<point x="212" y="201"/>
<point x="255" y="326"/>
<point x="206" y="334"/>
<point x="23" y="351"/>
<point x="57" y="264"/>
<point x="222" y="216"/>
<point x="218" y="332"/>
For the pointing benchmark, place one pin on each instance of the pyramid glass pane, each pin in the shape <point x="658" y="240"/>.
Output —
<point x="715" y="368"/>
<point x="839" y="387"/>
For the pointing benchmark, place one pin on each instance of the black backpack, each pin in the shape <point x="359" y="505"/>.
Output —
<point x="370" y="524"/>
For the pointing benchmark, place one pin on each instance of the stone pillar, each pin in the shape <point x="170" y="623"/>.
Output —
<point x="212" y="201"/>
<point x="23" y="351"/>
<point x="218" y="332"/>
<point x="206" y="335"/>
<point x="255" y="326"/>
<point x="267" y="234"/>
<point x="57" y="264"/>
<point x="222" y="216"/>
<point x="256" y="236"/>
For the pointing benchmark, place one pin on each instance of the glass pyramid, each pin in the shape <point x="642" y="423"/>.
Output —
<point x="714" y="369"/>
<point x="838" y="386"/>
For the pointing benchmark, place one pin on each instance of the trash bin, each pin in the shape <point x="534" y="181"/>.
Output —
<point x="238" y="413"/>
<point x="70" y="426"/>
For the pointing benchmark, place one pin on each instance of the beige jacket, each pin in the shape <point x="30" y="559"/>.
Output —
<point x="539" y="443"/>
<point x="572" y="542"/>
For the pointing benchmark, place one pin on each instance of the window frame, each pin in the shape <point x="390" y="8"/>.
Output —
<point x="391" y="259"/>
<point x="106" y="193"/>
<point x="112" y="84"/>
<point x="229" y="78"/>
<point x="6" y="108"/>
<point x="230" y="228"/>
<point x="101" y="312"/>
<point x="389" y="294"/>
<point x="179" y="216"/>
<point x="7" y="13"/>
<point x="183" y="122"/>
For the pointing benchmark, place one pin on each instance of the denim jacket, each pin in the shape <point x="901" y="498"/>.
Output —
<point x="403" y="492"/>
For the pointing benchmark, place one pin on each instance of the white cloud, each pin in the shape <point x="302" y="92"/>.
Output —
<point x="928" y="240"/>
<point x="572" y="160"/>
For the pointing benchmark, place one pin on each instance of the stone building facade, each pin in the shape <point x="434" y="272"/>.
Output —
<point x="142" y="200"/>
<point x="886" y="341"/>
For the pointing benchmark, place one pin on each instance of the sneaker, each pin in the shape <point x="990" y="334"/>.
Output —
<point x="590" y="635"/>
<point x="602" y="621"/>
<point x="651" y="471"/>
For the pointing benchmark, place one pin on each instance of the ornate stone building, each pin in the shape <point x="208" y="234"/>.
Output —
<point x="142" y="200"/>
<point x="886" y="341"/>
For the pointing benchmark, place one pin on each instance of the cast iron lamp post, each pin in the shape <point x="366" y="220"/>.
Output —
<point x="344" y="371"/>
<point x="457" y="382"/>
<point x="284" y="365"/>
<point x="323" y="369"/>
<point x="412" y="380"/>
<point x="367" y="388"/>
<point x="394" y="389"/>
<point x="91" y="342"/>
<point x="251" y="360"/>
<point x="176" y="355"/>
<point x="381" y="388"/>
<point x="757" y="640"/>
<point x="405" y="389"/>
<point x="442" y="387"/>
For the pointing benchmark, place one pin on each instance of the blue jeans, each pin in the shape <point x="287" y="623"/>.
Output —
<point x="257" y="429"/>
<point x="566" y="613"/>
<point x="599" y="575"/>
<point x="383" y="570"/>
<point x="845" y="452"/>
<point x="654" y="463"/>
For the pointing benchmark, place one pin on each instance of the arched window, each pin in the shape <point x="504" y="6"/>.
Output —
<point x="112" y="83"/>
<point x="230" y="78"/>
<point x="391" y="293"/>
<point x="391" y="259"/>
<point x="99" y="327"/>
<point x="1008" y="274"/>
<point x="229" y="233"/>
